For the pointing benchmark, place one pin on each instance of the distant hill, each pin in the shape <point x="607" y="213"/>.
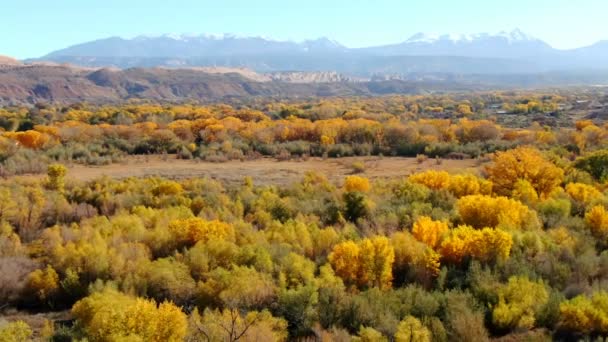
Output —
<point x="503" y="53"/>
<point x="62" y="83"/>
<point x="32" y="83"/>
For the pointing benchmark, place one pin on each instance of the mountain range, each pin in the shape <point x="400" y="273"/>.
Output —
<point x="503" y="52"/>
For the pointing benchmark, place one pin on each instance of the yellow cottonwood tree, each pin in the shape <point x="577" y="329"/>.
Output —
<point x="485" y="245"/>
<point x="110" y="315"/>
<point x="356" y="184"/>
<point x="518" y="303"/>
<point x="585" y="314"/>
<point x="190" y="231"/>
<point x="597" y="220"/>
<point x="411" y="329"/>
<point x="484" y="211"/>
<point x="432" y="179"/>
<point x="428" y="231"/>
<point x="523" y="163"/>
<point x="368" y="263"/>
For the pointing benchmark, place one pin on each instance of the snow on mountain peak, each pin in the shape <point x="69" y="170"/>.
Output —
<point x="423" y="38"/>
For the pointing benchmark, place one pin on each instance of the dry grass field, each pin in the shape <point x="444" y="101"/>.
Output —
<point x="267" y="170"/>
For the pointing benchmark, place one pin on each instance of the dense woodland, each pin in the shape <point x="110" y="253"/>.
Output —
<point x="515" y="251"/>
<point x="452" y="126"/>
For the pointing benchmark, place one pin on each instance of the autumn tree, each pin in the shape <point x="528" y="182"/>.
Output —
<point x="519" y="302"/>
<point x="367" y="263"/>
<point x="356" y="184"/>
<point x="110" y="316"/>
<point x="17" y="331"/>
<point x="485" y="245"/>
<point x="44" y="284"/>
<point x="585" y="315"/>
<point x="188" y="232"/>
<point x="56" y="177"/>
<point x="484" y="211"/>
<point x="523" y="163"/>
<point x="597" y="220"/>
<point x="231" y="325"/>
<point x="376" y="261"/>
<point x="357" y="205"/>
<point x="435" y="180"/>
<point x="428" y="231"/>
<point x="411" y="330"/>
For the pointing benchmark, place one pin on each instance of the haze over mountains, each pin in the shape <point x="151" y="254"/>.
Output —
<point x="501" y="53"/>
<point x="207" y="67"/>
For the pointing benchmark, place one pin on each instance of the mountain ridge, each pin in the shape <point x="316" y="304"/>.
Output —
<point x="512" y="52"/>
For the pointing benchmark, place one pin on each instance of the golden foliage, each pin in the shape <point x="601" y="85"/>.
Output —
<point x="428" y="231"/>
<point x="411" y="329"/>
<point x="467" y="184"/>
<point x="356" y="184"/>
<point x="585" y="315"/>
<point x="110" y="315"/>
<point x="43" y="283"/>
<point x="518" y="303"/>
<point x="485" y="245"/>
<point x="597" y="220"/>
<point x="432" y="179"/>
<point x="192" y="230"/>
<point x="523" y="163"/>
<point x="368" y="263"/>
<point x="583" y="193"/>
<point x="484" y="211"/>
<point x="18" y="331"/>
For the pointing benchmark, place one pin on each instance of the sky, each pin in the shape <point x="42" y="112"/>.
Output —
<point x="33" y="28"/>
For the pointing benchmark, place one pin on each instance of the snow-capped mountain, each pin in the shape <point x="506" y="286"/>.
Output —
<point x="514" y="44"/>
<point x="185" y="46"/>
<point x="502" y="52"/>
<point x="514" y="36"/>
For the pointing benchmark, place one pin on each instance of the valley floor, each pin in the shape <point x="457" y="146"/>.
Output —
<point x="266" y="170"/>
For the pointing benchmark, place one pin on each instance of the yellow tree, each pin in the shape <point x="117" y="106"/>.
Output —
<point x="190" y="231"/>
<point x="368" y="263"/>
<point x="344" y="259"/>
<point x="43" y="283"/>
<point x="467" y="184"/>
<point x="583" y="193"/>
<point x="484" y="211"/>
<point x="523" y="163"/>
<point x="376" y="262"/>
<point x="428" y="231"/>
<point x="432" y="179"/>
<point x="356" y="184"/>
<point x="585" y="315"/>
<point x="518" y="303"/>
<point x="411" y="330"/>
<point x="18" y="331"/>
<point x="56" y="177"/>
<point x="485" y="245"/>
<point x="110" y="316"/>
<point x="597" y="220"/>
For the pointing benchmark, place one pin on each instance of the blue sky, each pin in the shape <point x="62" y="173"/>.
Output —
<point x="31" y="28"/>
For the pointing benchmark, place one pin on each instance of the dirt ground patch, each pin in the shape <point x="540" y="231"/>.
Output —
<point x="266" y="170"/>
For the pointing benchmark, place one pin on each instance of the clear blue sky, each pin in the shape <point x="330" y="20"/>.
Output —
<point x="31" y="28"/>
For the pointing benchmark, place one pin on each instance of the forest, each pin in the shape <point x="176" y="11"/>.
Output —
<point x="513" y="250"/>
